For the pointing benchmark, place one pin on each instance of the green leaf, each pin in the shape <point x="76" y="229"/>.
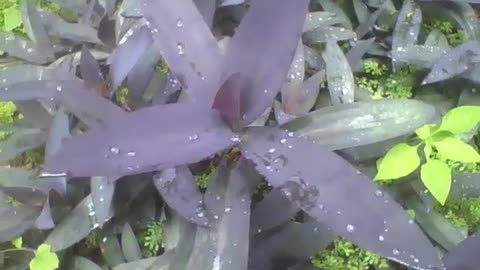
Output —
<point x="461" y="119"/>
<point x="437" y="177"/>
<point x="427" y="149"/>
<point x="426" y="131"/>
<point x="399" y="161"/>
<point x="44" y="259"/>
<point x="12" y="18"/>
<point x="18" y="242"/>
<point x="455" y="149"/>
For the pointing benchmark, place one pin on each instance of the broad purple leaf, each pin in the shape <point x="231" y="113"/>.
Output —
<point x="455" y="62"/>
<point x="102" y="189"/>
<point x="420" y="55"/>
<point x="361" y="11"/>
<point x="332" y="7"/>
<point x="21" y="178"/>
<point x="313" y="59"/>
<point x="207" y="9"/>
<point x="22" y="48"/>
<point x="262" y="50"/>
<point x="320" y="35"/>
<point x="127" y="54"/>
<point x="365" y="26"/>
<point x="193" y="133"/>
<point x="15" y="219"/>
<point x="187" y="45"/>
<point x="465" y="255"/>
<point x="333" y="192"/>
<point x="130" y="247"/>
<point x="178" y="189"/>
<point x="303" y="99"/>
<point x="35" y="114"/>
<point x="21" y="142"/>
<point x="32" y="23"/>
<point x="362" y="123"/>
<point x="339" y="75"/>
<point x="106" y="31"/>
<point x="19" y="73"/>
<point x="295" y="242"/>
<point x="281" y="116"/>
<point x="81" y="263"/>
<point x="225" y="244"/>
<point x="406" y="30"/>
<point x="355" y="54"/>
<point x="319" y="19"/>
<point x="92" y="109"/>
<point x="266" y="216"/>
<point x="91" y="73"/>
<point x="142" y="73"/>
<point x="45" y="220"/>
<point x="74" y="227"/>
<point x="227" y="100"/>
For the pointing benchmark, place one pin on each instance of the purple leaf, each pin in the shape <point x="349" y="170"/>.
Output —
<point x="77" y="32"/>
<point x="141" y="74"/>
<point x="91" y="73"/>
<point x="313" y="59"/>
<point x="320" y="35"/>
<point x="106" y="31"/>
<point x="127" y="54"/>
<point x="227" y="100"/>
<point x="295" y="242"/>
<point x="362" y="123"/>
<point x="192" y="133"/>
<point x="159" y="262"/>
<point x="178" y="189"/>
<point x="303" y="99"/>
<point x="72" y="94"/>
<point x="332" y="7"/>
<point x="295" y="77"/>
<point x="22" y="48"/>
<point x="319" y="19"/>
<point x="20" y="178"/>
<point x="420" y="55"/>
<point x="35" y="114"/>
<point x="187" y="45"/>
<point x="262" y="50"/>
<point x="266" y="216"/>
<point x="455" y="62"/>
<point x="365" y="26"/>
<point x="355" y="54"/>
<point x="333" y="192"/>
<point x="15" y="219"/>
<point x="21" y="142"/>
<point x="406" y="29"/>
<point x="44" y="220"/>
<point x="465" y="255"/>
<point x="339" y="75"/>
<point x="81" y="263"/>
<point x="20" y="73"/>
<point x="32" y="23"/>
<point x="228" y="202"/>
<point x="111" y="251"/>
<point x="102" y="189"/>
<point x="207" y="9"/>
<point x="130" y="247"/>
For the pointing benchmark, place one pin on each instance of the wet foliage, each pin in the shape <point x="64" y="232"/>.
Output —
<point x="232" y="135"/>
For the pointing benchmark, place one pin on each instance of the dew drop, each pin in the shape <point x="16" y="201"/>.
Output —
<point x="114" y="150"/>
<point x="201" y="214"/>
<point x="104" y="240"/>
<point x="396" y="252"/>
<point x="100" y="187"/>
<point x="378" y="193"/>
<point x="179" y="23"/>
<point x="181" y="48"/>
<point x="218" y="198"/>
<point x="350" y="228"/>
<point x="271" y="150"/>
<point x="235" y="138"/>
<point x="131" y="154"/>
<point x="416" y="260"/>
<point x="193" y="137"/>
<point x="102" y="199"/>
<point x="228" y="209"/>
<point x="381" y="238"/>
<point x="290" y="134"/>
<point x="282" y="141"/>
<point x="215" y="217"/>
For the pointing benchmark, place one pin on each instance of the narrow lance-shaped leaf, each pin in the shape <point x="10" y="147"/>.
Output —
<point x="331" y="6"/>
<point x="142" y="73"/>
<point x="315" y="178"/>
<point x="465" y="255"/>
<point x="355" y="54"/>
<point x="406" y="30"/>
<point x="19" y="73"/>
<point x="178" y="189"/>
<point x="455" y="62"/>
<point x="81" y="263"/>
<point x="225" y="245"/>
<point x="339" y="75"/>
<point x="260" y="53"/>
<point x="362" y="123"/>
<point x="20" y="142"/>
<point x="303" y="98"/>
<point x="187" y="45"/>
<point x="102" y="189"/>
<point x="22" y="48"/>
<point x="319" y="19"/>
<point x="91" y="73"/>
<point x="111" y="251"/>
<point x="323" y="34"/>
<point x="127" y="54"/>
<point x="35" y="29"/>
<point x="193" y="133"/>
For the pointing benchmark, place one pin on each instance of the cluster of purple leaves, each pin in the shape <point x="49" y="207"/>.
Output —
<point x="215" y="97"/>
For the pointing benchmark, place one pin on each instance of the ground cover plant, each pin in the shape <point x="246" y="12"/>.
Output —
<point x="239" y="135"/>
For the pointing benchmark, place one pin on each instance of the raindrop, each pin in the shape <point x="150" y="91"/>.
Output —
<point x="290" y="147"/>
<point x="100" y="187"/>
<point x="29" y="50"/>
<point x="193" y="137"/>
<point x="271" y="150"/>
<point x="215" y="217"/>
<point x="290" y="134"/>
<point x="282" y="141"/>
<point x="114" y="150"/>
<point x="381" y="238"/>
<point x="378" y="193"/>
<point x="104" y="240"/>
<point x="102" y="199"/>
<point x="91" y="213"/>
<point x="350" y="228"/>
<point x="181" y="48"/>
<point x="4" y="80"/>
<point x="235" y="138"/>
<point x="410" y="221"/>
<point x="416" y="260"/>
<point x="131" y="154"/>
<point x="218" y="198"/>
<point x="179" y="23"/>
<point x="227" y="209"/>
<point x="201" y="214"/>
<point x="396" y="252"/>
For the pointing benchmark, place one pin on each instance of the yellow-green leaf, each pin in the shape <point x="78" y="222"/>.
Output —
<point x="461" y="119"/>
<point x="426" y="131"/>
<point x="12" y="18"/>
<point x="437" y="177"/>
<point x="44" y="259"/>
<point x="18" y="242"/>
<point x="427" y="149"/>
<point x="455" y="149"/>
<point x="399" y="161"/>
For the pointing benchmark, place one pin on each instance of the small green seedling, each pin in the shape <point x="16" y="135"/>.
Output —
<point x="43" y="259"/>
<point x="436" y="175"/>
